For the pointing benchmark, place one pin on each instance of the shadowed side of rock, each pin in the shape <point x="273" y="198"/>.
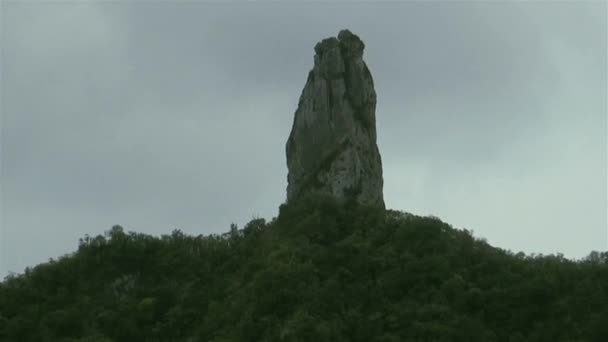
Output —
<point x="332" y="146"/>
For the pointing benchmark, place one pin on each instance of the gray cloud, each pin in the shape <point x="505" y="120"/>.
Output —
<point x="158" y="116"/>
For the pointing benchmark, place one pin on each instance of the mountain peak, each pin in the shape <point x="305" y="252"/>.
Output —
<point x="332" y="146"/>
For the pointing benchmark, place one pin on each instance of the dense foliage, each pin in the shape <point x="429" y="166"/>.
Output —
<point x="318" y="272"/>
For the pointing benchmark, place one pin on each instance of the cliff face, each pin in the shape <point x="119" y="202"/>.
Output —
<point x="332" y="146"/>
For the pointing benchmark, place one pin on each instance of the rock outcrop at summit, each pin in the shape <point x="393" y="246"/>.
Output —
<point x="332" y="146"/>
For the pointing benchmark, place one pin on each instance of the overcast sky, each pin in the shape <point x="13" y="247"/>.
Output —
<point x="158" y="116"/>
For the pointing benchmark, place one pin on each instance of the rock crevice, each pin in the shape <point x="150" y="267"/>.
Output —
<point x="332" y="146"/>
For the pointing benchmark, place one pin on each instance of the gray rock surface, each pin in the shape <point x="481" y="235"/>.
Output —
<point x="332" y="146"/>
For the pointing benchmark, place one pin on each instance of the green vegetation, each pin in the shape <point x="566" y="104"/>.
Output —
<point x="318" y="272"/>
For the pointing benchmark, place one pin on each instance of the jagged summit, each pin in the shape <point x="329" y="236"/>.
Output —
<point x="332" y="146"/>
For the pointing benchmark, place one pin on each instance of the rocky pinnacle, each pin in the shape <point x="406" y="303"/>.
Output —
<point x="332" y="146"/>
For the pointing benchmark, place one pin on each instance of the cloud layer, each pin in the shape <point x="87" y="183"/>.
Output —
<point x="159" y="116"/>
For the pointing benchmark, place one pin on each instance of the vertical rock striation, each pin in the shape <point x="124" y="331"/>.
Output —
<point x="332" y="146"/>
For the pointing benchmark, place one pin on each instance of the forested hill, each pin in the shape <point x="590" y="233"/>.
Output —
<point x="318" y="272"/>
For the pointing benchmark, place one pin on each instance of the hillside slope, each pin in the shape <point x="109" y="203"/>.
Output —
<point x="318" y="272"/>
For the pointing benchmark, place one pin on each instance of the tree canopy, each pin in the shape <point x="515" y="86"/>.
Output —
<point x="320" y="271"/>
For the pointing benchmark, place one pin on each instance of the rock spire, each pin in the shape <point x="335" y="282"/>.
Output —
<point x="332" y="146"/>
